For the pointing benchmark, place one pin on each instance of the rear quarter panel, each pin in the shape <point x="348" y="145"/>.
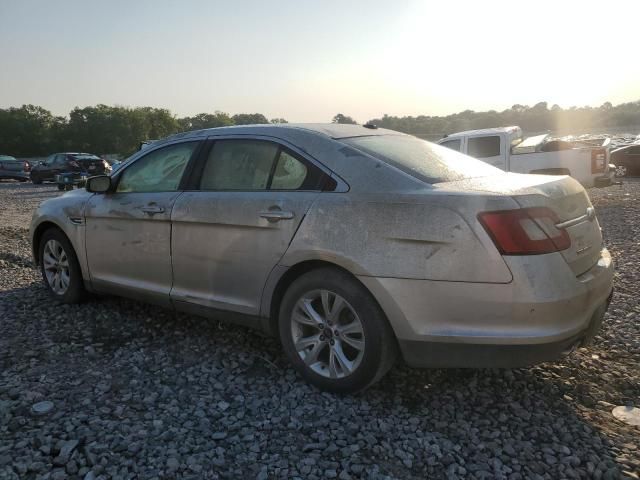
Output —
<point x="425" y="236"/>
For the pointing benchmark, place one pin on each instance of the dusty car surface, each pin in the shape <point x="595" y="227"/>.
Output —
<point x="350" y="243"/>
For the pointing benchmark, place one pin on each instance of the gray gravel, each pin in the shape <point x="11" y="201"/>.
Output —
<point x="139" y="392"/>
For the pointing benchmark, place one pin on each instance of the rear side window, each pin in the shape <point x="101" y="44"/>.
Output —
<point x="426" y="161"/>
<point x="249" y="165"/>
<point x="452" y="144"/>
<point x="483" y="147"/>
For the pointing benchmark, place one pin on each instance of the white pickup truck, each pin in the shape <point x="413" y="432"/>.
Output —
<point x="505" y="148"/>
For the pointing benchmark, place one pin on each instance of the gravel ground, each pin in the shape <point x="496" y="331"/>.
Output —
<point x="139" y="392"/>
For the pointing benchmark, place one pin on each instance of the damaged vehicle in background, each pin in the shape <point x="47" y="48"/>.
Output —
<point x="69" y="168"/>
<point x="505" y="148"/>
<point x="349" y="243"/>
<point x="627" y="160"/>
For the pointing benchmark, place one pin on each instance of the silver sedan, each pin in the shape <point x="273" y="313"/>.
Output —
<point x="354" y="245"/>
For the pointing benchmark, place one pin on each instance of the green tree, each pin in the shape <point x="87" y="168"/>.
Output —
<point x="340" y="118"/>
<point x="206" y="120"/>
<point x="28" y="131"/>
<point x="278" y="120"/>
<point x="249" y="118"/>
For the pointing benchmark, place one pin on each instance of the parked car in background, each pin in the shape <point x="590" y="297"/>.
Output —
<point x="505" y="148"/>
<point x="347" y="242"/>
<point x="60" y="163"/>
<point x="12" y="168"/>
<point x="627" y="160"/>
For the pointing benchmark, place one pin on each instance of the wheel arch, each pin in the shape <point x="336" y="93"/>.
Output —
<point x="37" y="236"/>
<point x="275" y="295"/>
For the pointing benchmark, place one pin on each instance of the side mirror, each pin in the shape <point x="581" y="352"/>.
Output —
<point x="98" y="184"/>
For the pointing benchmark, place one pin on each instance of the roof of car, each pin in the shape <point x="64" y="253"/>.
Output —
<point x="331" y="130"/>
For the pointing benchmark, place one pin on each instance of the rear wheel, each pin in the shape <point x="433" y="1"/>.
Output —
<point x="36" y="180"/>
<point x="621" y="171"/>
<point x="60" y="268"/>
<point x="60" y="186"/>
<point x="334" y="332"/>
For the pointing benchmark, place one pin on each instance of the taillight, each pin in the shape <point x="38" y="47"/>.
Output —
<point x="26" y="167"/>
<point x="525" y="231"/>
<point x="598" y="160"/>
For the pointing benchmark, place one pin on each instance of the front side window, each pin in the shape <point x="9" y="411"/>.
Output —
<point x="250" y="165"/>
<point x="158" y="171"/>
<point x="483" y="147"/>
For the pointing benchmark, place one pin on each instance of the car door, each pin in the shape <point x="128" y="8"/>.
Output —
<point x="248" y="199"/>
<point x="128" y="230"/>
<point x="487" y="148"/>
<point x="44" y="169"/>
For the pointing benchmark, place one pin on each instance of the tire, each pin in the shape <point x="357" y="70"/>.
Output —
<point x="61" y="187"/>
<point x="36" y="180"/>
<point x="57" y="247"/>
<point x="359" y="322"/>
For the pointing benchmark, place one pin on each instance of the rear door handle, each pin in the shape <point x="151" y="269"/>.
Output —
<point x="276" y="215"/>
<point x="152" y="209"/>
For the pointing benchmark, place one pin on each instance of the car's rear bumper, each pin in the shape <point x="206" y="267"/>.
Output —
<point x="468" y="355"/>
<point x="71" y="178"/>
<point x="534" y="318"/>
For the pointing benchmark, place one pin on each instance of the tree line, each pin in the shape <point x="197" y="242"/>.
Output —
<point x="31" y="131"/>
<point x="535" y="119"/>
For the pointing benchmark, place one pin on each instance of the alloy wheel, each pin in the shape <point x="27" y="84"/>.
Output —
<point x="56" y="267"/>
<point x="327" y="334"/>
<point x="621" y="170"/>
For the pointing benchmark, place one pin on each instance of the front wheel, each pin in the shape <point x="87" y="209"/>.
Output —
<point x="334" y="333"/>
<point x="60" y="268"/>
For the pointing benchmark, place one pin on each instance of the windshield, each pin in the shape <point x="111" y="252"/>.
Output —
<point x="429" y="162"/>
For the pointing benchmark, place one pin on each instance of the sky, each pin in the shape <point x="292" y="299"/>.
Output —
<point x="307" y="60"/>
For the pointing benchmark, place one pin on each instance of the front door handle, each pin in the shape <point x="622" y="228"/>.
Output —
<point x="152" y="209"/>
<point x="276" y="215"/>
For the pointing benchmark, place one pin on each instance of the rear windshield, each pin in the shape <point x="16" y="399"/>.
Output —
<point x="7" y="158"/>
<point x="426" y="161"/>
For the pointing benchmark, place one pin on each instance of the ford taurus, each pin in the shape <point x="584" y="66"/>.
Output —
<point x="354" y="245"/>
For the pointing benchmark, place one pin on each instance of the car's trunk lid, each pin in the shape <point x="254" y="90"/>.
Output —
<point x="562" y="194"/>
